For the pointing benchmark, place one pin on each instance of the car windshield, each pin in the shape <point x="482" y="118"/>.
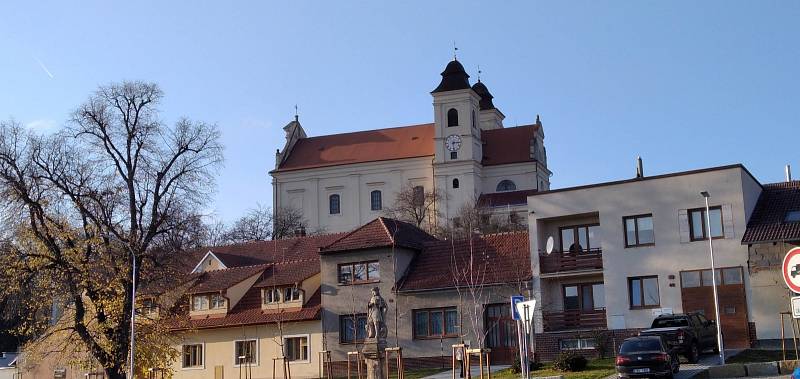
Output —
<point x="670" y="322"/>
<point x="640" y="344"/>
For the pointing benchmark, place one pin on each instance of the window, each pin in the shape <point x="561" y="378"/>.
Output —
<point x="578" y="344"/>
<point x="643" y="292"/>
<point x="435" y="323"/>
<point x="192" y="356"/>
<point x="361" y="272"/>
<point x="246" y="352"/>
<point x="453" y="155"/>
<point x="697" y="223"/>
<point x="639" y="230"/>
<point x="272" y="296"/>
<point x="702" y="278"/>
<point x="452" y="117"/>
<point x="217" y="301"/>
<point x="352" y="328"/>
<point x="473" y="119"/>
<point x="418" y="196"/>
<point x="455" y="183"/>
<point x="149" y="307"/>
<point x="580" y="238"/>
<point x="586" y="297"/>
<point x="506" y="185"/>
<point x="292" y="294"/>
<point x="334" y="204"/>
<point x="376" y="200"/>
<point x="792" y="216"/>
<point x="296" y="348"/>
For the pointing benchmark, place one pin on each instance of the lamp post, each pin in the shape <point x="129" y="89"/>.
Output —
<point x="714" y="279"/>
<point x="133" y="312"/>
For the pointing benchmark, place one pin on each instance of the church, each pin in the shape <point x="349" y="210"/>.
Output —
<point x="342" y="181"/>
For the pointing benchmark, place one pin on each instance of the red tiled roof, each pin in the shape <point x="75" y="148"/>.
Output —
<point x="496" y="258"/>
<point x="219" y="280"/>
<point x="381" y="232"/>
<point x="290" y="249"/>
<point x="359" y="147"/>
<point x="248" y="312"/>
<point x="508" y="145"/>
<point x="767" y="223"/>
<point x="500" y="146"/>
<point x="287" y="273"/>
<point x="502" y="199"/>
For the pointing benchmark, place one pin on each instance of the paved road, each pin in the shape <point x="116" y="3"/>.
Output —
<point x="475" y="372"/>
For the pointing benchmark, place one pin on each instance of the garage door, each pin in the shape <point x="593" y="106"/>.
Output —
<point x="697" y="295"/>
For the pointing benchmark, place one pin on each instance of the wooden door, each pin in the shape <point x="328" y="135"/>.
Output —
<point x="501" y="334"/>
<point x="697" y="295"/>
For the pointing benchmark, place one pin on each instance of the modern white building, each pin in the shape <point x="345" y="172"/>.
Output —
<point x="343" y="181"/>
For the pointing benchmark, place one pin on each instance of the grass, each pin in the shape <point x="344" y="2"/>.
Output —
<point x="421" y="373"/>
<point x="596" y="369"/>
<point x="756" y="355"/>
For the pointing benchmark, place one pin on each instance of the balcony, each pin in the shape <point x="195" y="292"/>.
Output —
<point x="574" y="320"/>
<point x="566" y="261"/>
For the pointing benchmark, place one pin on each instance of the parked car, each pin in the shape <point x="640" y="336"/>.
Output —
<point x="646" y="356"/>
<point x="689" y="334"/>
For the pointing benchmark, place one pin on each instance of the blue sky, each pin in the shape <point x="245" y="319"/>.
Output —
<point x="685" y="84"/>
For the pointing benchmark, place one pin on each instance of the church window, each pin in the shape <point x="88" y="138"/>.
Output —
<point x="453" y="155"/>
<point x="452" y="117"/>
<point x="455" y="183"/>
<point x="419" y="196"/>
<point x="334" y="204"/>
<point x="376" y="201"/>
<point x="506" y="185"/>
<point x="473" y="118"/>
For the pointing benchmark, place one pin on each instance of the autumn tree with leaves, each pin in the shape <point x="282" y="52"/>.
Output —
<point x="89" y="201"/>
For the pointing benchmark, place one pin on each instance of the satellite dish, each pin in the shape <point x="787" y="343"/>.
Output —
<point x="550" y="245"/>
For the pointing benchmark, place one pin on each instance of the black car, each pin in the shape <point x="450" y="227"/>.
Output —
<point x="646" y="356"/>
<point x="689" y="334"/>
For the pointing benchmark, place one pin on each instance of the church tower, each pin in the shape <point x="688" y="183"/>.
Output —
<point x="455" y="109"/>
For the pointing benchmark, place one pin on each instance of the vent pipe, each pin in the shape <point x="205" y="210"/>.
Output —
<point x="639" y="167"/>
<point x="788" y="173"/>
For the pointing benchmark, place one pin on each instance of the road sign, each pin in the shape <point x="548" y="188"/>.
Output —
<point x="525" y="310"/>
<point x="514" y="300"/>
<point x="796" y="307"/>
<point x="791" y="269"/>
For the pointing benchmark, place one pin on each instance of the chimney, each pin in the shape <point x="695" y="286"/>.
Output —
<point x="300" y="231"/>
<point x="639" y="167"/>
<point x="788" y="173"/>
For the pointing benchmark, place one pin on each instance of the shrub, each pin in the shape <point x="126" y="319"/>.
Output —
<point x="569" y="361"/>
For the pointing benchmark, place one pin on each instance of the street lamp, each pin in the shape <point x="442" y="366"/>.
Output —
<point x="714" y="280"/>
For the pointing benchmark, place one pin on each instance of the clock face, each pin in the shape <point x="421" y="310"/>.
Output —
<point x="453" y="142"/>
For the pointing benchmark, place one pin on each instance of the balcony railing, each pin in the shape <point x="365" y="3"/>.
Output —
<point x="565" y="261"/>
<point x="574" y="320"/>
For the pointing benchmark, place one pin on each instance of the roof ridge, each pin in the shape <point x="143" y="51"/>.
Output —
<point x="386" y="229"/>
<point x="347" y="234"/>
<point x="371" y="130"/>
<point x="312" y="236"/>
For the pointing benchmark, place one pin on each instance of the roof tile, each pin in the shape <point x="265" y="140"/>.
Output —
<point x="381" y="232"/>
<point x="767" y="223"/>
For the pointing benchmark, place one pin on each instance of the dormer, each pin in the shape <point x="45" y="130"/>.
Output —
<point x="282" y="297"/>
<point x="293" y="133"/>
<point x="218" y="291"/>
<point x="148" y="308"/>
<point x="209" y="262"/>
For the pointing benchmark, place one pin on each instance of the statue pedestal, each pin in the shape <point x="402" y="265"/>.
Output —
<point x="374" y="358"/>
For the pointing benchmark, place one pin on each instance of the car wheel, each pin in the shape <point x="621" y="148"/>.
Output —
<point x="694" y="353"/>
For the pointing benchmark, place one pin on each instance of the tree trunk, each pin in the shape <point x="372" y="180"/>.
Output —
<point x="116" y="372"/>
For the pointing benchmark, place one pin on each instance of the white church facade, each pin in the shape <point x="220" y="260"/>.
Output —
<point x="342" y="181"/>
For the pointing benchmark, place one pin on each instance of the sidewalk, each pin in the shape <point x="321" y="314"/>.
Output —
<point x="475" y="372"/>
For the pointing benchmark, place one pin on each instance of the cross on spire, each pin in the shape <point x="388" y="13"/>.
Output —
<point x="296" y="116"/>
<point x="455" y="50"/>
<point x="479" y="73"/>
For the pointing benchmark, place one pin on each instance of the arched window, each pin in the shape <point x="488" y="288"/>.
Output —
<point x="506" y="185"/>
<point x="333" y="204"/>
<point x="455" y="183"/>
<point x="375" y="200"/>
<point x="452" y="117"/>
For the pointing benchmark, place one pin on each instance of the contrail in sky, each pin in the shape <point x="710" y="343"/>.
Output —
<point x="44" y="67"/>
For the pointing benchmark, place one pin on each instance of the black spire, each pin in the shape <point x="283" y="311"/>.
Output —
<point x="453" y="77"/>
<point x="486" y="97"/>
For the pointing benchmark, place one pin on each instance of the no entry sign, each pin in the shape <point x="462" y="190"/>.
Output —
<point x="791" y="269"/>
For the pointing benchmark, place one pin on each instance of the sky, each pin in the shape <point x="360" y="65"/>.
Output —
<point x="684" y="84"/>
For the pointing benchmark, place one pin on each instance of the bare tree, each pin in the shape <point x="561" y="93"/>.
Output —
<point x="287" y="222"/>
<point x="91" y="202"/>
<point x="256" y="225"/>
<point x="474" y="217"/>
<point x="415" y="205"/>
<point x="469" y="277"/>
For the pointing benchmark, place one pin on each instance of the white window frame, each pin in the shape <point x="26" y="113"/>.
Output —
<point x="274" y="300"/>
<point x="258" y="351"/>
<point x="581" y="344"/>
<point x="308" y="345"/>
<point x="203" y="360"/>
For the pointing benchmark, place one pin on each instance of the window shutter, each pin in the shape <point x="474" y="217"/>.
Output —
<point x="683" y="225"/>
<point x="727" y="221"/>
